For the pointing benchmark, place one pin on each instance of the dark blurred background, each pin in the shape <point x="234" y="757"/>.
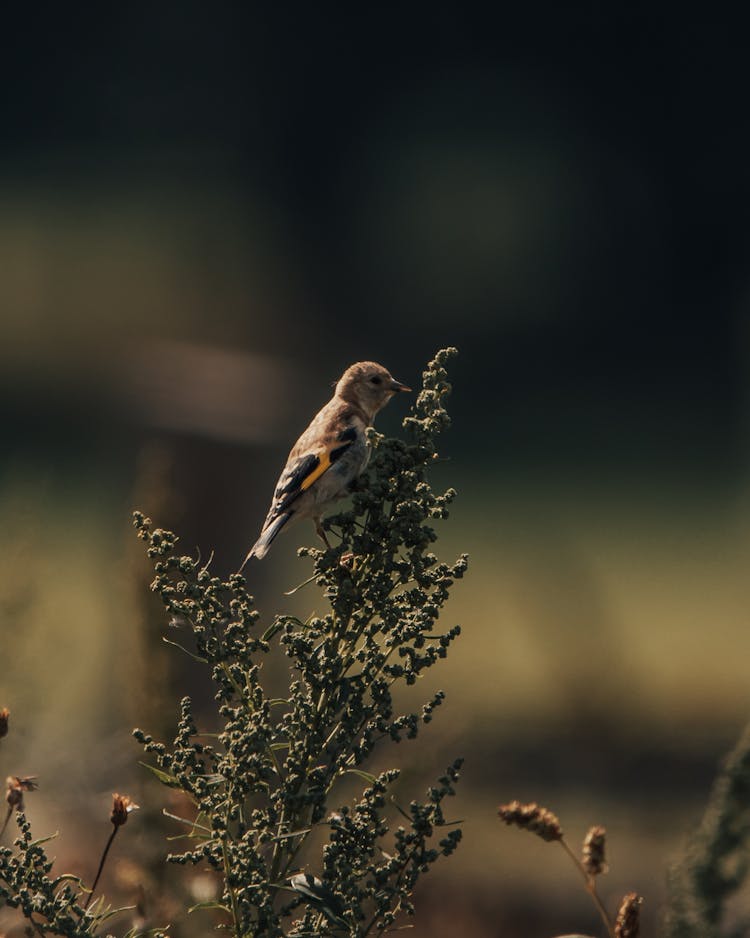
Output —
<point x="208" y="212"/>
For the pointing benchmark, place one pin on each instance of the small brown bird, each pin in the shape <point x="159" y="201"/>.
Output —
<point x="330" y="454"/>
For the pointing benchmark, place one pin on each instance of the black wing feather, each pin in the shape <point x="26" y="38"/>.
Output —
<point x="290" y="484"/>
<point x="289" y="487"/>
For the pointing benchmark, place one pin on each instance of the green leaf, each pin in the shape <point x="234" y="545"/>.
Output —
<point x="370" y="779"/>
<point x="110" y="913"/>
<point x="164" y="777"/>
<point x="299" y="586"/>
<point x="209" y="904"/>
<point x="194" y="824"/>
<point x="44" y="840"/>
<point x="214" y="780"/>
<point x="69" y="877"/>
<point x="190" y="654"/>
<point x="276" y="626"/>
<point x="137" y="933"/>
<point x="292" y="834"/>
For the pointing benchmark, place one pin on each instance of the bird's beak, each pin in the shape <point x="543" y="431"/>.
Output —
<point x="397" y="386"/>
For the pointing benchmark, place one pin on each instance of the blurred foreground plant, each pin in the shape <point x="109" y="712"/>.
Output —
<point x="51" y="905"/>
<point x="266" y="786"/>
<point x="716" y="863"/>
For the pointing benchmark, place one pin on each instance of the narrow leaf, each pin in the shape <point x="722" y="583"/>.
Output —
<point x="209" y="904"/>
<point x="164" y="777"/>
<point x="191" y="654"/>
<point x="102" y="917"/>
<point x="292" y="834"/>
<point x="276" y="626"/>
<point x="309" y="580"/>
<point x="183" y="820"/>
<point x="371" y="779"/>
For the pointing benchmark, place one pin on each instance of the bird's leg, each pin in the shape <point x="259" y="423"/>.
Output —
<point x="321" y="532"/>
<point x="346" y="559"/>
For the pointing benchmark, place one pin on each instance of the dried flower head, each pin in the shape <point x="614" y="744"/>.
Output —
<point x="593" y="860"/>
<point x="4" y="714"/>
<point x="628" y="924"/>
<point x="532" y="817"/>
<point x="122" y="805"/>
<point x="14" y="795"/>
<point x="16" y="786"/>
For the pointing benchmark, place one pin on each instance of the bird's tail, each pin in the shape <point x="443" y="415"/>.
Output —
<point x="269" y="532"/>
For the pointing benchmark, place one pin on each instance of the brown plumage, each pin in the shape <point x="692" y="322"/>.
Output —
<point x="331" y="452"/>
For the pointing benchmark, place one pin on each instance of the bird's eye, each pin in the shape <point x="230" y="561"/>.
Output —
<point x="376" y="380"/>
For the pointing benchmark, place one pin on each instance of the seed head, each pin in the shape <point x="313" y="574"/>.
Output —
<point x="14" y="795"/>
<point x="122" y="805"/>
<point x="16" y="786"/>
<point x="593" y="851"/>
<point x="4" y="714"/>
<point x="532" y="817"/>
<point x="628" y="924"/>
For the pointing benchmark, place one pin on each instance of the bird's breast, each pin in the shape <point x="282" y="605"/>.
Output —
<point x="335" y="482"/>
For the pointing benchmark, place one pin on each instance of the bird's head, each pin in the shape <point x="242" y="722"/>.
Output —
<point x="368" y="385"/>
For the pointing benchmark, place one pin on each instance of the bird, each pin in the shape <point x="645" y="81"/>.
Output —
<point x="330" y="454"/>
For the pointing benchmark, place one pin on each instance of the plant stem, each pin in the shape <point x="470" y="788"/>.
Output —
<point x="230" y="889"/>
<point x="101" y="866"/>
<point x="590" y="888"/>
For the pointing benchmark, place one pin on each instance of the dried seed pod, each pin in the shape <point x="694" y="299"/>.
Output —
<point x="593" y="860"/>
<point x="122" y="806"/>
<point x="628" y="924"/>
<point x="15" y="787"/>
<point x="532" y="817"/>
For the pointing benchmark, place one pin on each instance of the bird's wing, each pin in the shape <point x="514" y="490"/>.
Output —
<point x="303" y="470"/>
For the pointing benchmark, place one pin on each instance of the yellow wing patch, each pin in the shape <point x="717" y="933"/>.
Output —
<point x="325" y="462"/>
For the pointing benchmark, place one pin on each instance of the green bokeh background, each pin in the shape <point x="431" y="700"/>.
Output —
<point x="207" y="214"/>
